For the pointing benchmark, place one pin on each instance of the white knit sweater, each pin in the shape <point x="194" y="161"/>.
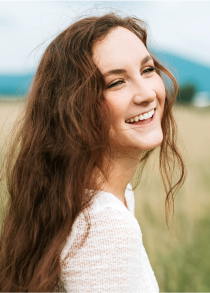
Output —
<point x="113" y="258"/>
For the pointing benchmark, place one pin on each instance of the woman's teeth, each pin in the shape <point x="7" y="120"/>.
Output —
<point x="141" y="117"/>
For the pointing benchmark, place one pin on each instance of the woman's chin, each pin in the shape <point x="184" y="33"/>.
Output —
<point x="139" y="143"/>
<point x="151" y="142"/>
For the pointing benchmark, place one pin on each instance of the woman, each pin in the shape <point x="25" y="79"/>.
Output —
<point x="97" y="108"/>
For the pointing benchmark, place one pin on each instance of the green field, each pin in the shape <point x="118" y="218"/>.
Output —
<point x="180" y="259"/>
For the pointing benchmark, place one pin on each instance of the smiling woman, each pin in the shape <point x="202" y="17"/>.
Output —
<point x="97" y="109"/>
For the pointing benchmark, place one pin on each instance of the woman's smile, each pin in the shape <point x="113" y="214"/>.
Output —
<point x="144" y="118"/>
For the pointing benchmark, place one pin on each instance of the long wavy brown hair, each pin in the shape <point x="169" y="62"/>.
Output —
<point x="58" y="148"/>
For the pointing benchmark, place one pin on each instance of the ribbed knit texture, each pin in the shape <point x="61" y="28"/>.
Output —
<point x="113" y="258"/>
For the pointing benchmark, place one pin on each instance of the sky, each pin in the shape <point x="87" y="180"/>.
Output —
<point x="27" y="27"/>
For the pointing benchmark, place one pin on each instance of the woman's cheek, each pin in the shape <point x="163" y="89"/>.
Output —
<point x="118" y="103"/>
<point x="161" y="91"/>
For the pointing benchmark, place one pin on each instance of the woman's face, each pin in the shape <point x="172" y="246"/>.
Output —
<point x="134" y="91"/>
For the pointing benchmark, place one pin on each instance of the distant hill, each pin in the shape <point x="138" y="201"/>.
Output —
<point x="15" y="84"/>
<point x="186" y="71"/>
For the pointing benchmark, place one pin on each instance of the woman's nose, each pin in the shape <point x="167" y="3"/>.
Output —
<point x="143" y="92"/>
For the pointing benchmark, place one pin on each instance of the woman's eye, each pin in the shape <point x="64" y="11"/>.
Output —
<point x="149" y="69"/>
<point x="118" y="82"/>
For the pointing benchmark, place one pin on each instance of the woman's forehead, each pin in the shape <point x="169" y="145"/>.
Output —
<point x="118" y="48"/>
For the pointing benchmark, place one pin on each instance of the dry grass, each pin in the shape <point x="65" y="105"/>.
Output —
<point x="9" y="111"/>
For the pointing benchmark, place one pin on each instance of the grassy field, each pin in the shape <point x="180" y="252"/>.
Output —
<point x="180" y="259"/>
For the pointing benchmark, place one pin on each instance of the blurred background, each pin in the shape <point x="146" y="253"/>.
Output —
<point x="179" y="36"/>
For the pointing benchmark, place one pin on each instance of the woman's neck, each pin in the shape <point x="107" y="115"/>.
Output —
<point x="123" y="167"/>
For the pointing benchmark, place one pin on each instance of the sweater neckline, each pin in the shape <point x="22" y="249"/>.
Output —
<point x="117" y="200"/>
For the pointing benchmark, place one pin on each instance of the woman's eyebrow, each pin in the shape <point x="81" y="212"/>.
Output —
<point x="114" y="71"/>
<point x="146" y="59"/>
<point x="120" y="71"/>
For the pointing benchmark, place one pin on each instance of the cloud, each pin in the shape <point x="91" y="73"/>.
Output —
<point x="181" y="27"/>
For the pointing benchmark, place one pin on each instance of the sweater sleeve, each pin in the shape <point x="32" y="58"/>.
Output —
<point x="110" y="260"/>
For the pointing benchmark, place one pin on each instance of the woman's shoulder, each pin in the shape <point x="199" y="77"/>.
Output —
<point x="109" y="219"/>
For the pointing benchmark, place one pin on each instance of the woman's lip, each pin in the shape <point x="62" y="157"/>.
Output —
<point x="141" y="122"/>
